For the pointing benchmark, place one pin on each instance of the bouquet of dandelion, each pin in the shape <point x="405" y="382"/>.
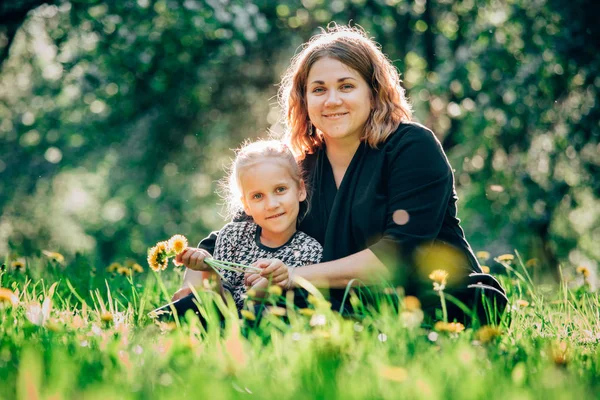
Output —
<point x="158" y="257"/>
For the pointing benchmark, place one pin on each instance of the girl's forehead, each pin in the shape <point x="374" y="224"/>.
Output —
<point x="266" y="170"/>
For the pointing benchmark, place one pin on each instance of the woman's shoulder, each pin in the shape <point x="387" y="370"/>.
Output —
<point x="411" y="133"/>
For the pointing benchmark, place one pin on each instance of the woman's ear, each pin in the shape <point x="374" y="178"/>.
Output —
<point x="302" y="191"/>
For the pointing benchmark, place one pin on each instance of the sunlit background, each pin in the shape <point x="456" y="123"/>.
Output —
<point x="117" y="118"/>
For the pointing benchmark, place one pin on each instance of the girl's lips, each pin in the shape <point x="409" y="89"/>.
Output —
<point x="275" y="216"/>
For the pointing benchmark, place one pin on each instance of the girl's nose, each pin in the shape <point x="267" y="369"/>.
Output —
<point x="272" y="202"/>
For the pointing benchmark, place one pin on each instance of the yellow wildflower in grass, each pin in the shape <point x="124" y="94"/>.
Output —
<point x="485" y="268"/>
<point x="534" y="262"/>
<point x="124" y="271"/>
<point x="411" y="303"/>
<point x="157" y="257"/>
<point x="106" y="316"/>
<point x="249" y="315"/>
<point x="483" y="255"/>
<point x="54" y="256"/>
<point x="439" y="276"/>
<point x="275" y="290"/>
<point x="560" y="353"/>
<point x="505" y="258"/>
<point x="113" y="267"/>
<point x="522" y="303"/>
<point x="584" y="271"/>
<point x="18" y="265"/>
<point x="396" y="374"/>
<point x="277" y="311"/>
<point x="487" y="333"/>
<point x="7" y="296"/>
<point x="450" y="327"/>
<point x="137" y="268"/>
<point x="178" y="243"/>
<point x="308" y="312"/>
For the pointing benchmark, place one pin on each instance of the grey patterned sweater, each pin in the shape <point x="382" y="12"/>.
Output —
<point x="239" y="242"/>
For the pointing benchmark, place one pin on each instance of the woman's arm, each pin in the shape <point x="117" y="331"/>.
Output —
<point x="364" y="266"/>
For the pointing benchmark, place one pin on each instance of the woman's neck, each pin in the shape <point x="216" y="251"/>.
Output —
<point x="340" y="153"/>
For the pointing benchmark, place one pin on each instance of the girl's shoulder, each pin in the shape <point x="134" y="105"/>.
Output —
<point x="238" y="229"/>
<point x="303" y="240"/>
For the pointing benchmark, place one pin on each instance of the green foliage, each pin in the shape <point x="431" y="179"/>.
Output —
<point x="116" y="118"/>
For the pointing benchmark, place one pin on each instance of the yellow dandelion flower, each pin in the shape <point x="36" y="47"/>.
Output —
<point x="157" y="257"/>
<point x="114" y="267"/>
<point x="487" y="333"/>
<point x="505" y="258"/>
<point x="308" y="312"/>
<point x="534" y="262"/>
<point x="583" y="270"/>
<point x="275" y="290"/>
<point x="178" y="243"/>
<point x="485" y="268"/>
<point x="137" y="268"/>
<point x="522" y="303"/>
<point x="277" y="311"/>
<point x="106" y="316"/>
<point x="124" y="271"/>
<point x="7" y="296"/>
<point x="411" y="303"/>
<point x="439" y="276"/>
<point x="18" y="265"/>
<point x="54" y="256"/>
<point x="560" y="353"/>
<point x="251" y="292"/>
<point x="396" y="374"/>
<point x="249" y="315"/>
<point x="483" y="255"/>
<point x="450" y="327"/>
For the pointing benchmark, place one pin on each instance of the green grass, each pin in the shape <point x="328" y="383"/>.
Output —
<point x="54" y="344"/>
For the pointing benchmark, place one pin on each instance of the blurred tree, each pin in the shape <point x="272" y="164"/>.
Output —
<point x="116" y="117"/>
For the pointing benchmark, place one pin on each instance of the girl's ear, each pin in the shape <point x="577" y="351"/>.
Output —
<point x="246" y="208"/>
<point x="302" y="191"/>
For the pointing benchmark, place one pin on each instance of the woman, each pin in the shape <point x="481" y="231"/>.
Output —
<point x="383" y="199"/>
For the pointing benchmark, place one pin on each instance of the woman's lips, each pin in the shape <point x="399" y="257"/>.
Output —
<point x="334" y="115"/>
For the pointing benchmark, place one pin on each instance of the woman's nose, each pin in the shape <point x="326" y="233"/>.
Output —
<point x="333" y="99"/>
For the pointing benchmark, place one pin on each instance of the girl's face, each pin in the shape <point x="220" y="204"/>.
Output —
<point x="272" y="198"/>
<point x="338" y="100"/>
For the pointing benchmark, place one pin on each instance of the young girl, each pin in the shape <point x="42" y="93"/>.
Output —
<point x="266" y="183"/>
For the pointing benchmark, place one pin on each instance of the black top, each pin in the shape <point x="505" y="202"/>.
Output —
<point x="392" y="200"/>
<point x="397" y="200"/>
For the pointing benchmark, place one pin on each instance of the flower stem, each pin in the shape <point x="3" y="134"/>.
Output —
<point x="444" y="310"/>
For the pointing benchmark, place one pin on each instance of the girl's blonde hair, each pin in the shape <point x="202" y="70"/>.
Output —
<point x="352" y="47"/>
<point x="252" y="153"/>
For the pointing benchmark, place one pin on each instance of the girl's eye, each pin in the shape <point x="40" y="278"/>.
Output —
<point x="257" y="196"/>
<point x="280" y="189"/>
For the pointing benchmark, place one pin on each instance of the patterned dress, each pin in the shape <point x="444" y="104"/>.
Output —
<point x="239" y="242"/>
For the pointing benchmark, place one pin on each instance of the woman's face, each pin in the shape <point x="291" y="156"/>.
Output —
<point x="338" y="100"/>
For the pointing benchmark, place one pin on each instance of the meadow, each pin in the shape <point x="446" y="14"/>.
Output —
<point x="71" y="330"/>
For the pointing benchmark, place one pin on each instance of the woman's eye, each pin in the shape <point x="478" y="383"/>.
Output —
<point x="318" y="90"/>
<point x="347" y="86"/>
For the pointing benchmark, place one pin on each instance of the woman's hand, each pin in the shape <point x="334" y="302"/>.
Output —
<point x="193" y="258"/>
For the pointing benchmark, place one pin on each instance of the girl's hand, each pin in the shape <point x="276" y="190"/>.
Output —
<point x="273" y="270"/>
<point x="193" y="258"/>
